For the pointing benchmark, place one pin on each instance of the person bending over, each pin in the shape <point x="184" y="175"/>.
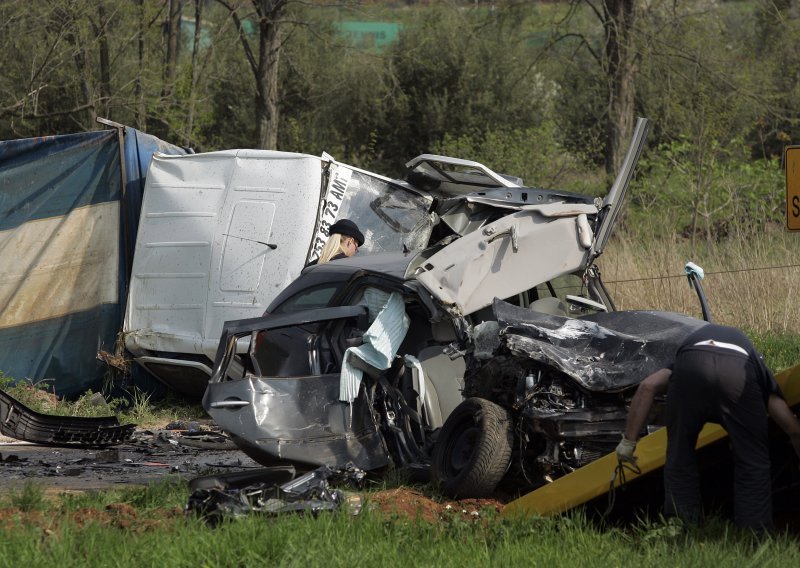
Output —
<point x="717" y="376"/>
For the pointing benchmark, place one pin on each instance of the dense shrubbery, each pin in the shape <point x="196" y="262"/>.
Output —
<point x="521" y="87"/>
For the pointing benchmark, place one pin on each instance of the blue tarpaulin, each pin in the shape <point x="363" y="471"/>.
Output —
<point x="68" y="220"/>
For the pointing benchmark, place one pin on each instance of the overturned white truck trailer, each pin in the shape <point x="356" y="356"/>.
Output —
<point x="222" y="233"/>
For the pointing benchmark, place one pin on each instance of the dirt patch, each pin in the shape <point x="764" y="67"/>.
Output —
<point x="158" y="455"/>
<point x="408" y="503"/>
<point x="117" y="515"/>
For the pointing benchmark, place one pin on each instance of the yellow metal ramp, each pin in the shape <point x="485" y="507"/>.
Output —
<point x="594" y="479"/>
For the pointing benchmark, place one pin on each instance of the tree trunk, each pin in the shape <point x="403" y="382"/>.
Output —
<point x="74" y="39"/>
<point x="105" y="65"/>
<point x="620" y="57"/>
<point x="173" y="32"/>
<point x="265" y="66"/>
<point x="198" y="17"/>
<point x="266" y="72"/>
<point x="141" y="109"/>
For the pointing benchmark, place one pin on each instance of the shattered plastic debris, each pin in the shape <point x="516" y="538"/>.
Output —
<point x="20" y="422"/>
<point x="274" y="491"/>
<point x="184" y="426"/>
<point x="147" y="457"/>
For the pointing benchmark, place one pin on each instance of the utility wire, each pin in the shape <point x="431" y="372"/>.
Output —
<point x="707" y="272"/>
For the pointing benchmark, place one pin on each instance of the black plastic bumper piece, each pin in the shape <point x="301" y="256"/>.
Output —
<point x="20" y="422"/>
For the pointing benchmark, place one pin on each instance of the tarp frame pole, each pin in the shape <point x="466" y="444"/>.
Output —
<point x="121" y="137"/>
<point x="122" y="203"/>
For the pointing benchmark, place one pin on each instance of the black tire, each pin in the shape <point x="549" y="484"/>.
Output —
<point x="473" y="450"/>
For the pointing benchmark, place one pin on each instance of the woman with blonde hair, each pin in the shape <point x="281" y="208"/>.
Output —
<point x="343" y="241"/>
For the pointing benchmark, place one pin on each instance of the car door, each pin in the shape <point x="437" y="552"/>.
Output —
<point x="612" y="204"/>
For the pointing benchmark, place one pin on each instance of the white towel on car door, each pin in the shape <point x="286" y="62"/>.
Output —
<point x="381" y="340"/>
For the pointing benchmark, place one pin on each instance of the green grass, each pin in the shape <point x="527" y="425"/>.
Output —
<point x="156" y="535"/>
<point x="136" y="407"/>
<point x="780" y="351"/>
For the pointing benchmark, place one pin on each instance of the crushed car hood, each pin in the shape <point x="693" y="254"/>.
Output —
<point x="604" y="352"/>
<point x="532" y="242"/>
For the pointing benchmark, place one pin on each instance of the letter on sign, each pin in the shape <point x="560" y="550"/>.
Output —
<point x="792" y="162"/>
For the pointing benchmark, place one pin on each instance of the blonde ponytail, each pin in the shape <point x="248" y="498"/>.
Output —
<point x="333" y="246"/>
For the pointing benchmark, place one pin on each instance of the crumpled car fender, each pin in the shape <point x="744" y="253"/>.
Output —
<point x="603" y="352"/>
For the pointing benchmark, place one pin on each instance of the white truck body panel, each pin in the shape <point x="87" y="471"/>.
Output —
<point x="220" y="235"/>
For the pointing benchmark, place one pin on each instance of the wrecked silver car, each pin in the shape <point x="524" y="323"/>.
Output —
<point x="349" y="361"/>
<point x="362" y="360"/>
<point x="548" y="393"/>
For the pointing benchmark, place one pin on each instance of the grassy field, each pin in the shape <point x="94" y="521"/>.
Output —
<point x="751" y="282"/>
<point x="146" y="527"/>
<point x="135" y="407"/>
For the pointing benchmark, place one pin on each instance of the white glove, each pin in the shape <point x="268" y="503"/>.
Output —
<point x="625" y="451"/>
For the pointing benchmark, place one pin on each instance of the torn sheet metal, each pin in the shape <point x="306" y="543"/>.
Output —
<point x="298" y="419"/>
<point x="593" y="480"/>
<point x="502" y="259"/>
<point x="20" y="422"/>
<point x="603" y="352"/>
<point x="294" y="418"/>
<point x="268" y="491"/>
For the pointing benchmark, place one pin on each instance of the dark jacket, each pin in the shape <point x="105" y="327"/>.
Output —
<point x="335" y="257"/>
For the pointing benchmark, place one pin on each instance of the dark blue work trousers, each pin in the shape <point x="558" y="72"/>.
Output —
<point x="712" y="384"/>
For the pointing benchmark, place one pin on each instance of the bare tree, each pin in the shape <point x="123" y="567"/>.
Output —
<point x="264" y="65"/>
<point x="138" y="89"/>
<point x="69" y="19"/>
<point x="172" y="31"/>
<point x="101" y="33"/>
<point x="198" y="20"/>
<point x="618" y="61"/>
<point x="618" y="17"/>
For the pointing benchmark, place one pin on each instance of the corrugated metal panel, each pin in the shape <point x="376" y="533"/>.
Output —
<point x="220" y="235"/>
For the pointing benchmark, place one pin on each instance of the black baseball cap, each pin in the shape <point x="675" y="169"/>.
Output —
<point x="347" y="228"/>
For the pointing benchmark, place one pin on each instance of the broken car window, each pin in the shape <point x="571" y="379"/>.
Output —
<point x="390" y="217"/>
<point x="309" y="299"/>
<point x="569" y="284"/>
<point x="285" y="352"/>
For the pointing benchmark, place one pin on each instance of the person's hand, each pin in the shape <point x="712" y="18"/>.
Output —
<point x="625" y="451"/>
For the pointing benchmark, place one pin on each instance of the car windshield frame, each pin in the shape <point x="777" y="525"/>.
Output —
<point x="294" y="303"/>
<point x="392" y="217"/>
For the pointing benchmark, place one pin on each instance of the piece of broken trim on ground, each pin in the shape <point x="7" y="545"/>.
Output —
<point x="20" y="422"/>
<point x="178" y="451"/>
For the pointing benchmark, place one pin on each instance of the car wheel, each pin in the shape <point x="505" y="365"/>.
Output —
<point x="473" y="450"/>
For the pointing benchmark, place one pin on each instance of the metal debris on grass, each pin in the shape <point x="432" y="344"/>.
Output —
<point x="274" y="491"/>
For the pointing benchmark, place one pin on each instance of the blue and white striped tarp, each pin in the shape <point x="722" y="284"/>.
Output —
<point x="63" y="251"/>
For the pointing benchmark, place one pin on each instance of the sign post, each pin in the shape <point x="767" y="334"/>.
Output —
<point x="792" y="163"/>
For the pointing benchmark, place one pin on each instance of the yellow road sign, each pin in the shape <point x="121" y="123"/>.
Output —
<point x="792" y="162"/>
